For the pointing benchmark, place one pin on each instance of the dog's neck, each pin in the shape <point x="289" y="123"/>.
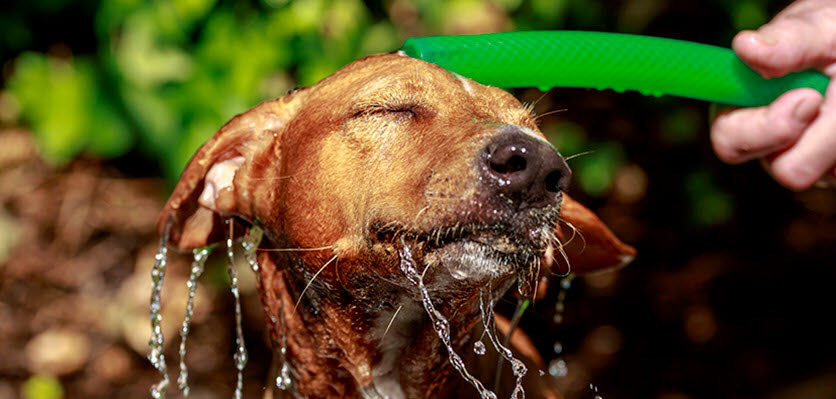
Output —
<point x="339" y="345"/>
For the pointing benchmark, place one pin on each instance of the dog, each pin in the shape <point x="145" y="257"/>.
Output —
<point x="398" y="202"/>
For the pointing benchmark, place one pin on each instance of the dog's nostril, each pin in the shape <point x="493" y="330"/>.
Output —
<point x="552" y="181"/>
<point x="513" y="164"/>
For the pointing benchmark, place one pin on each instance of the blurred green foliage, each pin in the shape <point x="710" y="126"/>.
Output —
<point x="160" y="77"/>
<point x="42" y="387"/>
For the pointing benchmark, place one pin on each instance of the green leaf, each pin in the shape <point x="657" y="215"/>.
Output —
<point x="65" y="106"/>
<point x="42" y="387"/>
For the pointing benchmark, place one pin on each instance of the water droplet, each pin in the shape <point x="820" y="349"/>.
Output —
<point x="558" y="318"/>
<point x="557" y="368"/>
<point x="558" y="348"/>
<point x="566" y="283"/>
<point x="250" y="244"/>
<point x="283" y="380"/>
<point x="479" y="348"/>
<point x="559" y="307"/>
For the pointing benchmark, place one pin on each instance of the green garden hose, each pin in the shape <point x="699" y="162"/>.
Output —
<point x="599" y="60"/>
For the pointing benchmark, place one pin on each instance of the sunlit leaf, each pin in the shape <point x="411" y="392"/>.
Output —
<point x="42" y="387"/>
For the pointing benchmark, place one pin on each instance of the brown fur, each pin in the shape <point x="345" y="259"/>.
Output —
<point x="382" y="150"/>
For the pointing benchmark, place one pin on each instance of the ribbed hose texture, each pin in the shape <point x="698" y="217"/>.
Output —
<point x="600" y="60"/>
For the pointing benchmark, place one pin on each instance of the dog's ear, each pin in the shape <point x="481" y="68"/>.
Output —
<point x="589" y="244"/>
<point x="217" y="183"/>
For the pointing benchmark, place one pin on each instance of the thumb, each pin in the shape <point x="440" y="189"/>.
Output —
<point x="798" y="39"/>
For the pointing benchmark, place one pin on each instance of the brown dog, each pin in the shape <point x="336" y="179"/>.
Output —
<point x="389" y="175"/>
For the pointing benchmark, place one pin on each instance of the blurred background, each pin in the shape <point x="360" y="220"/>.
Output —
<point x="104" y="101"/>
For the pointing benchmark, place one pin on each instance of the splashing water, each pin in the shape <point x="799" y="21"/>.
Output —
<point x="283" y="380"/>
<point x="241" y="352"/>
<point x="439" y="322"/>
<point x="524" y="277"/>
<point x="200" y="256"/>
<point x="517" y="365"/>
<point x="250" y="244"/>
<point x="156" y="342"/>
<point x="479" y="348"/>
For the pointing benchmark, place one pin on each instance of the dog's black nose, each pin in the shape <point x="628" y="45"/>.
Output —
<point x="524" y="169"/>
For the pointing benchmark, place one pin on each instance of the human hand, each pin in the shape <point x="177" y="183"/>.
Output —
<point x="795" y="136"/>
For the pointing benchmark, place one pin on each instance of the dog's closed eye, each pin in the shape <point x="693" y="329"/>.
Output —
<point x="400" y="110"/>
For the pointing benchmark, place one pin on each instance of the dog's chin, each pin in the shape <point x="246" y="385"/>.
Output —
<point x="478" y="253"/>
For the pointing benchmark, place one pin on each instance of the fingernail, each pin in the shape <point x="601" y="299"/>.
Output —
<point x="805" y="110"/>
<point x="764" y="39"/>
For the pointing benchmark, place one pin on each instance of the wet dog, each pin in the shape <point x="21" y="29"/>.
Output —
<point x="398" y="202"/>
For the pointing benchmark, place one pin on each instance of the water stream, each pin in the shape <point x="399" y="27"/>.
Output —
<point x="439" y="322"/>
<point x="156" y="342"/>
<point x="517" y="365"/>
<point x="241" y="350"/>
<point x="200" y="256"/>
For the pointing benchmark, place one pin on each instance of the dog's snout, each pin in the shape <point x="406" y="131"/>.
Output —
<point x="524" y="169"/>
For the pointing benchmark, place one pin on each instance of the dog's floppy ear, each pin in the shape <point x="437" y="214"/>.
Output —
<point x="217" y="182"/>
<point x="588" y="242"/>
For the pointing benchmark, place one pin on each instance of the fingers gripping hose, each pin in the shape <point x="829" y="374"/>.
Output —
<point x="598" y="60"/>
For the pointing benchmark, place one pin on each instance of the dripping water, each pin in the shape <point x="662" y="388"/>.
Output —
<point x="240" y="356"/>
<point x="524" y="277"/>
<point x="479" y="347"/>
<point x="200" y="256"/>
<point x="250" y="244"/>
<point x="156" y="342"/>
<point x="557" y="366"/>
<point x="439" y="322"/>
<point x="594" y="390"/>
<point x="517" y="365"/>
<point x="283" y="380"/>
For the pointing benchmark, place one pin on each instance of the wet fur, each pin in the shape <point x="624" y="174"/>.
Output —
<point x="381" y="152"/>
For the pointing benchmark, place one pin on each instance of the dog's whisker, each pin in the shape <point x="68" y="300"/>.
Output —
<point x="580" y="154"/>
<point x="295" y="249"/>
<point x="552" y="112"/>
<point x="418" y="215"/>
<point x="272" y="178"/>
<point x="390" y="322"/>
<point x="301" y="295"/>
<point x="575" y="232"/>
<point x="566" y="259"/>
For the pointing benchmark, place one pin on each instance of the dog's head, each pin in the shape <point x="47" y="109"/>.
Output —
<point x="391" y="151"/>
<point x="387" y="159"/>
